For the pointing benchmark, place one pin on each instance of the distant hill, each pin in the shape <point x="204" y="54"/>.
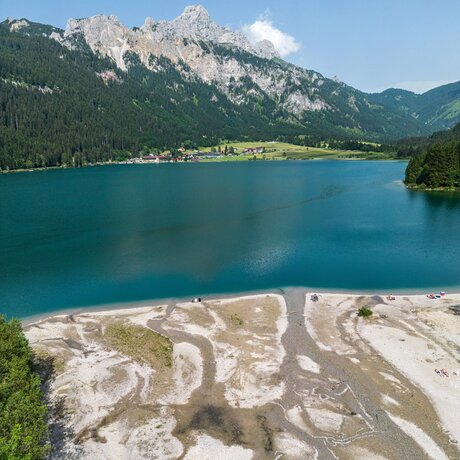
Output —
<point x="440" y="107"/>
<point x="437" y="109"/>
<point x="98" y="91"/>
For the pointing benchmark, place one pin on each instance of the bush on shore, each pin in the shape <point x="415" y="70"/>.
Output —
<point x="365" y="312"/>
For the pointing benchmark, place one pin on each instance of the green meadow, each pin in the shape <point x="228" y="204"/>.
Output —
<point x="286" y="151"/>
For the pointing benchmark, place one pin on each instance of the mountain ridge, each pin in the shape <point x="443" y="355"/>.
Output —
<point x="194" y="21"/>
<point x="226" y="59"/>
<point x="188" y="79"/>
<point x="109" y="37"/>
<point x="438" y="108"/>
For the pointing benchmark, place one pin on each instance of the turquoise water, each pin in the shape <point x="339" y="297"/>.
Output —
<point x="111" y="234"/>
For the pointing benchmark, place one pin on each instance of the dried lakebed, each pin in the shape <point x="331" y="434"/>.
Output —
<point x="271" y="376"/>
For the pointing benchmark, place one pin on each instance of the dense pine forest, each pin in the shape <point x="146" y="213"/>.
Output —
<point x="435" y="161"/>
<point x="23" y="428"/>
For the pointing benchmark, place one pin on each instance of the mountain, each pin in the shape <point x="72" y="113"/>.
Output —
<point x="437" y="109"/>
<point x="248" y="74"/>
<point x="100" y="90"/>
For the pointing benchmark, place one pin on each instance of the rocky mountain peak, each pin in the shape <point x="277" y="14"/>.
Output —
<point x="104" y="34"/>
<point x="196" y="23"/>
<point x="148" y="23"/>
<point x="211" y="53"/>
<point x="266" y="49"/>
<point x="194" y="13"/>
<point x="93" y="25"/>
<point x="17" y="24"/>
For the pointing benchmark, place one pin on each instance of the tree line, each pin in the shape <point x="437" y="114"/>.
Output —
<point x="23" y="412"/>
<point x="436" y="163"/>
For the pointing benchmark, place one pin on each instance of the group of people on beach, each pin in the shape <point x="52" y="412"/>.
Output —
<point x="430" y="296"/>
<point x="441" y="372"/>
<point x="436" y="296"/>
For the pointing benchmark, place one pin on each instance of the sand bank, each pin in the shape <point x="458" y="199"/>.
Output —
<point x="255" y="377"/>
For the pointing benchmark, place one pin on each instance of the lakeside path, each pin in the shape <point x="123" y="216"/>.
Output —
<point x="266" y="376"/>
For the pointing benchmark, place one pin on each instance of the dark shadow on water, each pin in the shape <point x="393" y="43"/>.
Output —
<point x="436" y="200"/>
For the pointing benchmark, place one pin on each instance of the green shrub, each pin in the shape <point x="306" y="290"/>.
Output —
<point x="365" y="312"/>
<point x="236" y="320"/>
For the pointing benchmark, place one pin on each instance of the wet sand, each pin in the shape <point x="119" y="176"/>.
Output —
<point x="267" y="376"/>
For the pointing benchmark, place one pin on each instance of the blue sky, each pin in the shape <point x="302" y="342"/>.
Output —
<point x="369" y="44"/>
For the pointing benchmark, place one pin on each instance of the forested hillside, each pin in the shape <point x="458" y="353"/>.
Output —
<point x="60" y="106"/>
<point x="437" y="165"/>
<point x="23" y="428"/>
<point x="437" y="109"/>
<point x="68" y="99"/>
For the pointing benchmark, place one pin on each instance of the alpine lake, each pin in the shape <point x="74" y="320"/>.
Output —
<point x="126" y="233"/>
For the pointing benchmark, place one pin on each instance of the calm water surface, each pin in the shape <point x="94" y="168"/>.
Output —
<point x="125" y="233"/>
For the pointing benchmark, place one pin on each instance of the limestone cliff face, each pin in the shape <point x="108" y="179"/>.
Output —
<point x="202" y="49"/>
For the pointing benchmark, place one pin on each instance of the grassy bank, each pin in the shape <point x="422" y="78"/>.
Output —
<point x="140" y="343"/>
<point x="285" y="151"/>
<point x="271" y="151"/>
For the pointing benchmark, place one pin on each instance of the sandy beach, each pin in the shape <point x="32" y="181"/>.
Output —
<point x="278" y="375"/>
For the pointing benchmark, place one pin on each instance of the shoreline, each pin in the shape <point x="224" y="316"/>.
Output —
<point x="218" y="160"/>
<point x="418" y="188"/>
<point x="114" y="306"/>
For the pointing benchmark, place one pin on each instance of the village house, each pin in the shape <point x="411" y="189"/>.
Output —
<point x="254" y="150"/>
<point x="154" y="158"/>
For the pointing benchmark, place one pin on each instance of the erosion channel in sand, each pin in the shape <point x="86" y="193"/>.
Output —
<point x="275" y="375"/>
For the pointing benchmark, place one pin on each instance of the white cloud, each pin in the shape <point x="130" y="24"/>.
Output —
<point x="263" y="29"/>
